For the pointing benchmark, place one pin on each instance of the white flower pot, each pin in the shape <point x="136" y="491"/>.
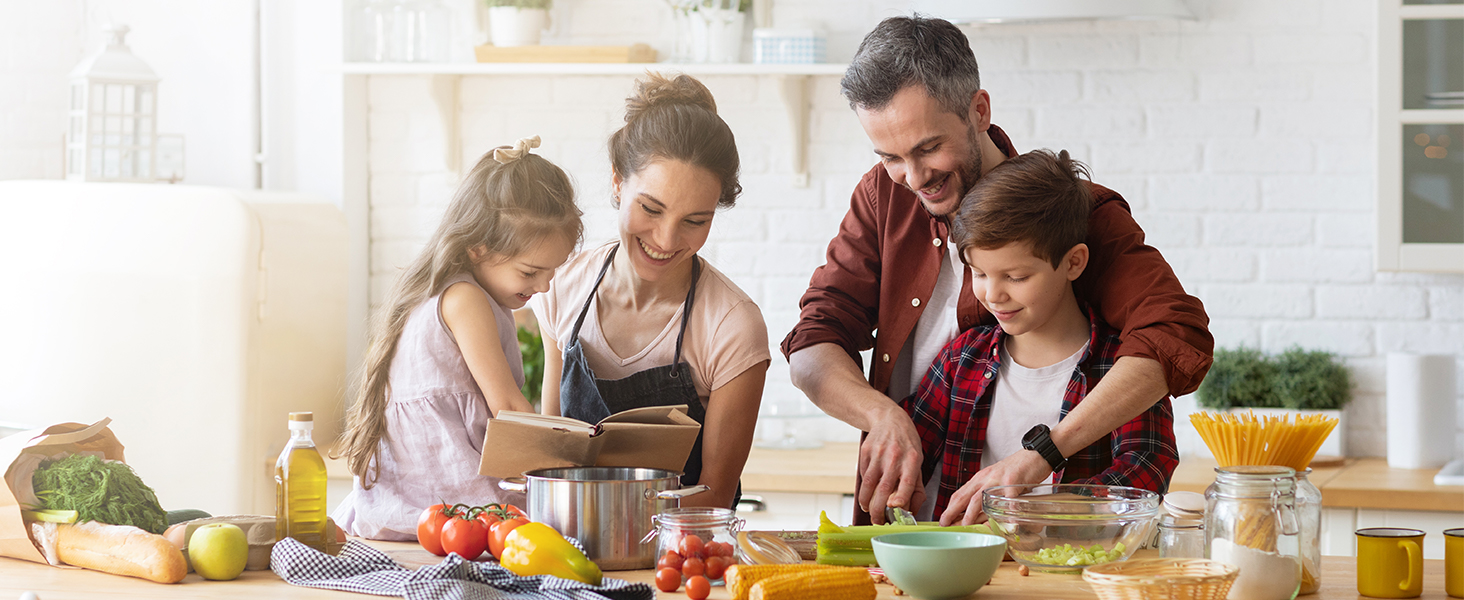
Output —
<point x="513" y="26"/>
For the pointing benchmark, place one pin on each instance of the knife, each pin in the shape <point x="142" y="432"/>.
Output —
<point x="898" y="516"/>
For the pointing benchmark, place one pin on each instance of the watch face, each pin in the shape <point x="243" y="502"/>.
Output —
<point x="1030" y="438"/>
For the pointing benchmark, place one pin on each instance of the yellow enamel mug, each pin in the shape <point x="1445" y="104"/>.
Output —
<point x="1389" y="562"/>
<point x="1454" y="562"/>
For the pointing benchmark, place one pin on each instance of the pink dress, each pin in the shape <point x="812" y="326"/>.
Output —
<point x="435" y="420"/>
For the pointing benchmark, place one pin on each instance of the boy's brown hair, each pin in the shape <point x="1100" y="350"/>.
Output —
<point x="1038" y="198"/>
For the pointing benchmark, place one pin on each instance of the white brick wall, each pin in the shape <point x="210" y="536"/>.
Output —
<point x="1244" y="141"/>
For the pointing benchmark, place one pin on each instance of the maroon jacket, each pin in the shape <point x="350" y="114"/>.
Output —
<point x="888" y="251"/>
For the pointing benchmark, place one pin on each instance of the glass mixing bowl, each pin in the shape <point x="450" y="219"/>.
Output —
<point x="1066" y="527"/>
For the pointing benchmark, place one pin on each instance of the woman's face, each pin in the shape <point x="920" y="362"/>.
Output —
<point x="666" y="212"/>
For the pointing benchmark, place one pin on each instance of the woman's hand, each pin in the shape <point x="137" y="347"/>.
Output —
<point x="727" y="436"/>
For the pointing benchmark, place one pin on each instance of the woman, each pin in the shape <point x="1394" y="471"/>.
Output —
<point x="643" y="321"/>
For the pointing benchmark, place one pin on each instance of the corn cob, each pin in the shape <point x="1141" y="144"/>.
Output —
<point x="843" y="583"/>
<point x="740" y="578"/>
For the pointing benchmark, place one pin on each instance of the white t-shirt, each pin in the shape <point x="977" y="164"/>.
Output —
<point x="725" y="336"/>
<point x="1023" y="398"/>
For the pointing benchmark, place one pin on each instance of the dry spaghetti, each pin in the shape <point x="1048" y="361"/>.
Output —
<point x="1244" y="439"/>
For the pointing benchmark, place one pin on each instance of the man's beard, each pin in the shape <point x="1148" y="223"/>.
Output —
<point x="968" y="172"/>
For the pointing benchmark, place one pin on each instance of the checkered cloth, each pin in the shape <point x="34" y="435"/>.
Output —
<point x="366" y="570"/>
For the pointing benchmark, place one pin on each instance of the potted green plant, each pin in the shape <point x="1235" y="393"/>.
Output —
<point x="517" y="22"/>
<point x="1296" y="381"/>
<point x="531" y="346"/>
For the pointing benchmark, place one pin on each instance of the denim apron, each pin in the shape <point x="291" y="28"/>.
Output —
<point x="587" y="398"/>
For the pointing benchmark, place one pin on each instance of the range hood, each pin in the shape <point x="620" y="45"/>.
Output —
<point x="1016" y="11"/>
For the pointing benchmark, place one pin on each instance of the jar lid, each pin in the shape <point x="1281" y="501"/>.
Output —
<point x="1184" y="506"/>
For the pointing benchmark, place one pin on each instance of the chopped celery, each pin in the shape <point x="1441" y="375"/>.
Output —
<point x="849" y="558"/>
<point x="839" y="545"/>
<point x="50" y="516"/>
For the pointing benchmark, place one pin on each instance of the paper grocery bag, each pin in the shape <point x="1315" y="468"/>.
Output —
<point x="21" y="453"/>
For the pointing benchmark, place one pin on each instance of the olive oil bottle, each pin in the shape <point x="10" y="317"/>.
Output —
<point x="300" y="487"/>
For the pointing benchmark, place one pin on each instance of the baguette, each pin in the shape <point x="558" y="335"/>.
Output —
<point x="121" y="550"/>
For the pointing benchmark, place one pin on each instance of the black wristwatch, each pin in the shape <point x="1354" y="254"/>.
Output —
<point x="1039" y="439"/>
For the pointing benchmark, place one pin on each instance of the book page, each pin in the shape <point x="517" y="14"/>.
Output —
<point x="537" y="419"/>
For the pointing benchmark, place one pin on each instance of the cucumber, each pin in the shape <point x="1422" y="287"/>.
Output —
<point x="185" y="514"/>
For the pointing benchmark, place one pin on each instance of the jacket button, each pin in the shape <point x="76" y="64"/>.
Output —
<point x="914" y="302"/>
<point x="887" y="359"/>
<point x="936" y="241"/>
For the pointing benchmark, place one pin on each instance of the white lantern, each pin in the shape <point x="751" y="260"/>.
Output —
<point x="113" y="128"/>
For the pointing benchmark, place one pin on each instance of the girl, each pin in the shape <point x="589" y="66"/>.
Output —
<point x="643" y="321"/>
<point x="444" y="355"/>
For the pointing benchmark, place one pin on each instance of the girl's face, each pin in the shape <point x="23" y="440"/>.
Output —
<point x="666" y="213"/>
<point x="512" y="280"/>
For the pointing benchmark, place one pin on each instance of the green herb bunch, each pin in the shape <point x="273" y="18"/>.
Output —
<point x="531" y="345"/>
<point x="1296" y="379"/>
<point x="99" y="490"/>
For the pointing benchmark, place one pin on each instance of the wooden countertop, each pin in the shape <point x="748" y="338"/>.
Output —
<point x="1358" y="483"/>
<point x="1339" y="582"/>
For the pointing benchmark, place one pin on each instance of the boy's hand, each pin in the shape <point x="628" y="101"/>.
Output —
<point x="1025" y="466"/>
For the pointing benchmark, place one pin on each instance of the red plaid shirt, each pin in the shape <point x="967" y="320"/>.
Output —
<point x="952" y="406"/>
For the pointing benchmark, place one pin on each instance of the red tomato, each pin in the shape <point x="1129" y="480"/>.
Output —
<point x="514" y="510"/>
<point x="670" y="560"/>
<point x="698" y="588"/>
<point x="467" y="537"/>
<point x="498" y="534"/>
<point x="691" y="545"/>
<point x="694" y="566"/>
<point x="489" y="517"/>
<point x="667" y="580"/>
<point x="429" y="527"/>
<point x="716" y="565"/>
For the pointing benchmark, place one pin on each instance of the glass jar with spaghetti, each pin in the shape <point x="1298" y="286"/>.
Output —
<point x="1309" y="517"/>
<point x="1251" y="523"/>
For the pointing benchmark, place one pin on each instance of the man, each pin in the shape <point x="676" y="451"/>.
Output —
<point x="892" y="282"/>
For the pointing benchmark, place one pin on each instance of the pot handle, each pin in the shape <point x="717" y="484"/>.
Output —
<point x="676" y="494"/>
<point x="514" y="484"/>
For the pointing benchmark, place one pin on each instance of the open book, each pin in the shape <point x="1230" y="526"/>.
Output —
<point x="654" y="437"/>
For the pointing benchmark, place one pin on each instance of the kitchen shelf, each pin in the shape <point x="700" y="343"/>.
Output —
<point x="370" y="68"/>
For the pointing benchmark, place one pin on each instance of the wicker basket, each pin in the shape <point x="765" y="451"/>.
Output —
<point x="1161" y="579"/>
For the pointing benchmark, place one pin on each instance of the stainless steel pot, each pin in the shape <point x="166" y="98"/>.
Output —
<point x="608" y="509"/>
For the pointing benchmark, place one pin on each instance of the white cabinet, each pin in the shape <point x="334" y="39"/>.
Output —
<point x="792" y="511"/>
<point x="1339" y="527"/>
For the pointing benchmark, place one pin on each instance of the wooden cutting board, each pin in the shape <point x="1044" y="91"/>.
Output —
<point x="637" y="53"/>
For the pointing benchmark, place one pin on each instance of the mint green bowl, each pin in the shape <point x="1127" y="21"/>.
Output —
<point x="939" y="565"/>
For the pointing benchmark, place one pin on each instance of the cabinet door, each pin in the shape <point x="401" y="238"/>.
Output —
<point x="1421" y="136"/>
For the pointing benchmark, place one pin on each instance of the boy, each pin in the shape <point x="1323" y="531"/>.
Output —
<point x="997" y="390"/>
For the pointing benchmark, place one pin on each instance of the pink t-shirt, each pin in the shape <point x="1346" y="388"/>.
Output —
<point x="725" y="336"/>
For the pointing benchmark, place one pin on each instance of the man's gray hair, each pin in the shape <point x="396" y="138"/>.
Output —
<point x="914" y="50"/>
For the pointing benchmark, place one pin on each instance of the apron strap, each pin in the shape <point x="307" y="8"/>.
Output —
<point x="574" y="335"/>
<point x="686" y="314"/>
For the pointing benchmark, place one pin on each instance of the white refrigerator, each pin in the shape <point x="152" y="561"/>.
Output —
<point x="196" y="318"/>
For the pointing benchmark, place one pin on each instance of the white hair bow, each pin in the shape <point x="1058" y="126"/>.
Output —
<point x="508" y="154"/>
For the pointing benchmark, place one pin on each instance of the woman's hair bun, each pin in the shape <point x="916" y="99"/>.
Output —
<point x="657" y="90"/>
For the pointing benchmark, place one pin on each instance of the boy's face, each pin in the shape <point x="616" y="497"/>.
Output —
<point x="1021" y="290"/>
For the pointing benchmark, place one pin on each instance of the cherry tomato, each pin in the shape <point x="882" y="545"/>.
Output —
<point x="498" y="534"/>
<point x="429" y="527"/>
<point x="716" y="565"/>
<point x="698" y="588"/>
<point x="692" y="545"/>
<point x="467" y="537"/>
<point x="670" y="560"/>
<point x="694" y="566"/>
<point x="667" y="580"/>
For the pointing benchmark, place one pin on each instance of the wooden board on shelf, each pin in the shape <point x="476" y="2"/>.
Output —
<point x="636" y="53"/>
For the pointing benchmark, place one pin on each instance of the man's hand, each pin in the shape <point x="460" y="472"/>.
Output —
<point x="1025" y="466"/>
<point x="889" y="460"/>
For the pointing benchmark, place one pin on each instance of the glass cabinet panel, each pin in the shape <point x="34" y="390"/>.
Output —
<point x="1410" y="2"/>
<point x="1433" y="63"/>
<point x="1433" y="184"/>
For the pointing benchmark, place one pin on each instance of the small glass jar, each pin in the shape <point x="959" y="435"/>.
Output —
<point x="1180" y="537"/>
<point x="1251" y="523"/>
<point x="1309" y="514"/>
<point x="697" y="541"/>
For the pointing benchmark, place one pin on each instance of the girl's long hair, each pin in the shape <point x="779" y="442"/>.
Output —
<point x="506" y="207"/>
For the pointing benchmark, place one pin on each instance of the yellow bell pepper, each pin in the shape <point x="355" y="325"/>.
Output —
<point x="537" y="549"/>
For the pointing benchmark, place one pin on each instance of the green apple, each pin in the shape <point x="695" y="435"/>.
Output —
<point x="218" y="551"/>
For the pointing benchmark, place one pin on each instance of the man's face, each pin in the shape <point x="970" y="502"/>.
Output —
<point x="926" y="148"/>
